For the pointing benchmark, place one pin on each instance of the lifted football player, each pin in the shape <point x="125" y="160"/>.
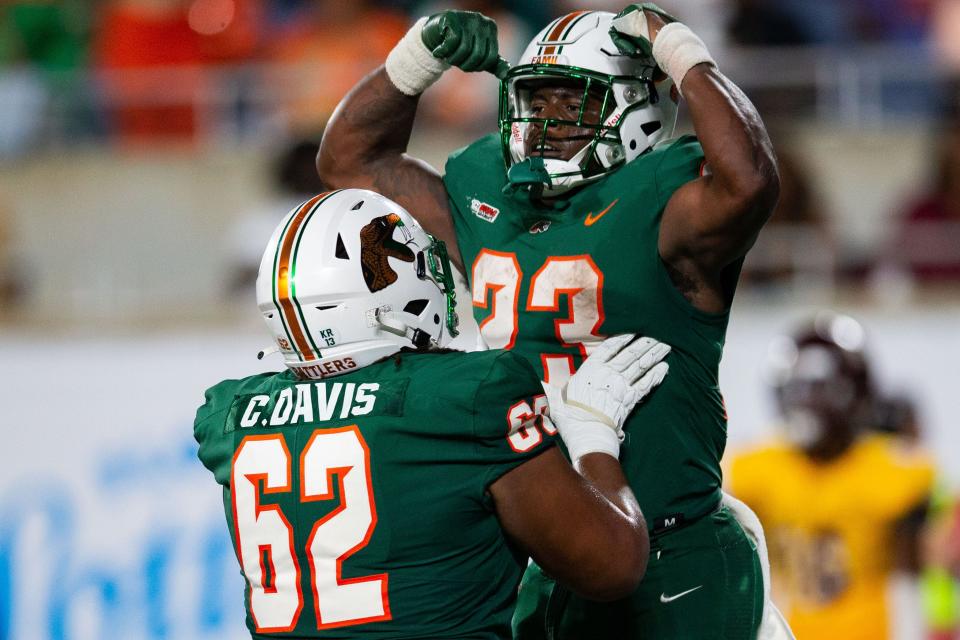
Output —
<point x="380" y="489"/>
<point x="583" y="219"/>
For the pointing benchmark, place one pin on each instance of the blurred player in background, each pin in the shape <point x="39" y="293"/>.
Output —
<point x="380" y="488"/>
<point x="584" y="195"/>
<point x="896" y="415"/>
<point x="843" y="505"/>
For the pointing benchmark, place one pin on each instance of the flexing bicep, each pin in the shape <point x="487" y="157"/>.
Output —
<point x="364" y="146"/>
<point x="709" y="225"/>
<point x="570" y="529"/>
<point x="714" y="219"/>
<point x="419" y="189"/>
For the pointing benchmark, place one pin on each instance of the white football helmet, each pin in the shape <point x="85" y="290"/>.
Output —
<point x="349" y="277"/>
<point x="638" y="112"/>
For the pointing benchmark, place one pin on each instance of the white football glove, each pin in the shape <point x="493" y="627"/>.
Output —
<point x="590" y="411"/>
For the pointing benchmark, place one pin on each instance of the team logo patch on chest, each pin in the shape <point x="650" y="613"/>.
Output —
<point x="540" y="226"/>
<point x="483" y="210"/>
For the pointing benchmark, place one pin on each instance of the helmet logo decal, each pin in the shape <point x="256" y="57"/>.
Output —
<point x="376" y="246"/>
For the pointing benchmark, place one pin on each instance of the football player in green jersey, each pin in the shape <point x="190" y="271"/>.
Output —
<point x="583" y="218"/>
<point x="383" y="488"/>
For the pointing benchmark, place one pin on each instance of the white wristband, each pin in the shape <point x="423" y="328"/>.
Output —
<point x="582" y="437"/>
<point x="677" y="49"/>
<point x="580" y="430"/>
<point x="410" y="66"/>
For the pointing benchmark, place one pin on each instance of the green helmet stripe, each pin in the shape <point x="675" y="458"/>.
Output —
<point x="273" y="281"/>
<point x="293" y="273"/>
<point x="292" y="332"/>
<point x="567" y="31"/>
<point x="547" y="32"/>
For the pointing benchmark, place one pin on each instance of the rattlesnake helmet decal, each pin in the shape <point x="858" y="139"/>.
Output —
<point x="376" y="245"/>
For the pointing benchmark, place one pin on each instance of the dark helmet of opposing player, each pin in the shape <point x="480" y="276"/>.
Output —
<point x="822" y="381"/>
<point x="635" y="111"/>
<point x="349" y="277"/>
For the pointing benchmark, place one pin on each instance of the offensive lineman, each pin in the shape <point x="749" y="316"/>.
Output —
<point x="599" y="224"/>
<point x="378" y="490"/>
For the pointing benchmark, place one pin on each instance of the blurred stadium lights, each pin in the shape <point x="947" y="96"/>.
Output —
<point x="209" y="17"/>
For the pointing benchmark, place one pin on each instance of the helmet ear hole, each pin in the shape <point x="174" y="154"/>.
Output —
<point x="651" y="127"/>
<point x="341" y="251"/>
<point x="416" y="307"/>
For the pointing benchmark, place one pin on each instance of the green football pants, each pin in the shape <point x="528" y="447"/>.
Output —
<point x="703" y="582"/>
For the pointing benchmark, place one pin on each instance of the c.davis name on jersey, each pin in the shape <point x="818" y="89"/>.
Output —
<point x="307" y="403"/>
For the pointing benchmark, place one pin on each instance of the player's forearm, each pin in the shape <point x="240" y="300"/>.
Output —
<point x="736" y="145"/>
<point x="608" y="553"/>
<point x="570" y="528"/>
<point x="606" y="475"/>
<point x="370" y="128"/>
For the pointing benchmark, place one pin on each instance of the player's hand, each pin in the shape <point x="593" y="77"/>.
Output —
<point x="590" y="411"/>
<point x="618" y="375"/>
<point x="464" y="39"/>
<point x="635" y="28"/>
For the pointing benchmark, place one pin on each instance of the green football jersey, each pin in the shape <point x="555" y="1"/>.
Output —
<point x="550" y="282"/>
<point x="358" y="505"/>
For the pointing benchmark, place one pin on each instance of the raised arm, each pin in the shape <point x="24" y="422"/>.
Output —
<point x="712" y="221"/>
<point x="366" y="140"/>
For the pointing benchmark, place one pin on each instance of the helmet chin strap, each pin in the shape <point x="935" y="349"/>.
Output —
<point x="418" y="337"/>
<point x="527" y="175"/>
<point x="267" y="351"/>
<point x="547" y="176"/>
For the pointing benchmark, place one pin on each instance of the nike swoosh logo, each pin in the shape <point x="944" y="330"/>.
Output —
<point x="590" y="219"/>
<point x="665" y="598"/>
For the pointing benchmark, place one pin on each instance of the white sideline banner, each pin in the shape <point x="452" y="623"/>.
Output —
<point x="109" y="525"/>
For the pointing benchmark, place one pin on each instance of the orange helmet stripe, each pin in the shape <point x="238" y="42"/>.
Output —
<point x="557" y="30"/>
<point x="282" y="284"/>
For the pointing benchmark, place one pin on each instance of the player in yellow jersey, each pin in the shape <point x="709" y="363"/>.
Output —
<point x="842" y="506"/>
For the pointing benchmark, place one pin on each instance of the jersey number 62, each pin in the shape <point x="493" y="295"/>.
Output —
<point x="265" y="540"/>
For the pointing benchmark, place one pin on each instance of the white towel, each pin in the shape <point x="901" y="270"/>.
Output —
<point x="772" y="625"/>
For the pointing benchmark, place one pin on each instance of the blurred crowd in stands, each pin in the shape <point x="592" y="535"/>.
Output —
<point x="314" y="50"/>
<point x="134" y="74"/>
